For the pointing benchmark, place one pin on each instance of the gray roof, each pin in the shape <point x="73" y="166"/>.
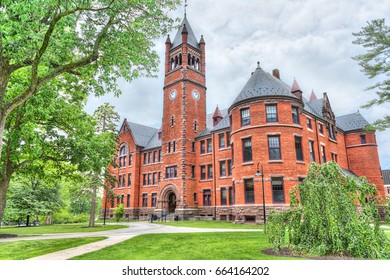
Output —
<point x="308" y="108"/>
<point x="223" y="124"/>
<point x="351" y="122"/>
<point x="154" y="142"/>
<point x="204" y="132"/>
<point x="191" y="36"/>
<point x="348" y="172"/>
<point x="386" y="176"/>
<point x="262" y="83"/>
<point x="142" y="134"/>
<point x="317" y="105"/>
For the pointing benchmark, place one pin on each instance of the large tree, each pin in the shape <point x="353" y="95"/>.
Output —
<point x="73" y="44"/>
<point x="375" y="63"/>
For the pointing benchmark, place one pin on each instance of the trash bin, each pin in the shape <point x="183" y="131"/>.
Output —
<point x="176" y="218"/>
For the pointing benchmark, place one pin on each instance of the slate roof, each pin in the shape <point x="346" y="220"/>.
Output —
<point x="316" y="105"/>
<point x="348" y="172"/>
<point x="191" y="36"/>
<point x="351" y="122"/>
<point x="224" y="123"/>
<point x="308" y="107"/>
<point x="386" y="176"/>
<point x="142" y="134"/>
<point x="262" y="83"/>
<point x="154" y="142"/>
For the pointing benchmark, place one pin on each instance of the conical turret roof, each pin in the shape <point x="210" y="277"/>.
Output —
<point x="191" y="36"/>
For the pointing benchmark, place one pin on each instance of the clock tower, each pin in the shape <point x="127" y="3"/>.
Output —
<point x="184" y="117"/>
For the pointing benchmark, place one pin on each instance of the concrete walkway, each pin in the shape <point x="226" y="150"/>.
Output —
<point x="114" y="236"/>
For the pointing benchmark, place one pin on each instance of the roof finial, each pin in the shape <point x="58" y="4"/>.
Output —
<point x="258" y="65"/>
<point x="185" y="9"/>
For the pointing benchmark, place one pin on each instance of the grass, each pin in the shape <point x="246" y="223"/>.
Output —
<point x="212" y="224"/>
<point x="21" y="250"/>
<point x="64" y="228"/>
<point x="188" y="246"/>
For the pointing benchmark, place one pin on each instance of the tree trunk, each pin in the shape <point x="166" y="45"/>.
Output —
<point x="8" y="170"/>
<point x="28" y="221"/>
<point x="93" y="207"/>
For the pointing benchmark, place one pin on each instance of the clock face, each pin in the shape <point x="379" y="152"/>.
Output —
<point x="172" y="94"/>
<point x="195" y="94"/>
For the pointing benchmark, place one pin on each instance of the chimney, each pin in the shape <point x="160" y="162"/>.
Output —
<point x="276" y="73"/>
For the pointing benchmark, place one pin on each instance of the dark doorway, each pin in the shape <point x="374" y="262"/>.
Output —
<point x="171" y="203"/>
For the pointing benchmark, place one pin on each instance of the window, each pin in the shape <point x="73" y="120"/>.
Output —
<point x="229" y="167"/>
<point x="277" y="190"/>
<point x="222" y="168"/>
<point x="223" y="196"/>
<point x="169" y="147"/>
<point x="321" y="128"/>
<point x="160" y="155"/>
<point x="309" y="126"/>
<point x="209" y="171"/>
<point x="193" y="147"/>
<point x="149" y="179"/>
<point x="195" y="197"/>
<point x="171" y="172"/>
<point x="221" y="140"/>
<point x="145" y="200"/>
<point x="112" y="203"/>
<point x="295" y="115"/>
<point x="196" y="125"/>
<point x="311" y="147"/>
<point x="247" y="149"/>
<point x="122" y="181"/>
<point x="249" y="191"/>
<point x="298" y="148"/>
<point x="334" y="157"/>
<point x="231" y="196"/>
<point x="154" y="178"/>
<point x="202" y="147"/>
<point x="122" y="156"/>
<point x="155" y="156"/>
<point x="209" y="146"/>
<point x="128" y="201"/>
<point x="173" y="146"/>
<point x="193" y="171"/>
<point x="203" y="172"/>
<point x="172" y="120"/>
<point x="206" y="197"/>
<point x="122" y="199"/>
<point x="323" y="154"/>
<point x="274" y="147"/>
<point x="272" y="113"/>
<point x="245" y="117"/>
<point x="363" y="139"/>
<point x="130" y="160"/>
<point x="331" y="131"/>
<point x="145" y="158"/>
<point x="129" y="180"/>
<point x="154" y="199"/>
<point x="150" y="157"/>
<point x="228" y="138"/>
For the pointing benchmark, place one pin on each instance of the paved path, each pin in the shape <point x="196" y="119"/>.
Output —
<point x="114" y="236"/>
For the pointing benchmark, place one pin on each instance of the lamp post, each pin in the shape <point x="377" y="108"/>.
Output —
<point x="105" y="210"/>
<point x="258" y="173"/>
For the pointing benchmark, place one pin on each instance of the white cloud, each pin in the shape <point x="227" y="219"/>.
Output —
<point x="308" y="40"/>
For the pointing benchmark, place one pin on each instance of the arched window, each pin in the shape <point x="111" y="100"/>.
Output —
<point x="176" y="61"/>
<point x="180" y="60"/>
<point x="172" y="63"/>
<point x="189" y="59"/>
<point x="123" y="151"/>
<point x="197" y="66"/>
<point x="193" y="61"/>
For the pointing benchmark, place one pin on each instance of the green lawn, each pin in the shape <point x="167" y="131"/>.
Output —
<point x="187" y="246"/>
<point x="21" y="250"/>
<point x="57" y="229"/>
<point x="212" y="224"/>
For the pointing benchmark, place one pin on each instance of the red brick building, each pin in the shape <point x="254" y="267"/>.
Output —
<point x="205" y="165"/>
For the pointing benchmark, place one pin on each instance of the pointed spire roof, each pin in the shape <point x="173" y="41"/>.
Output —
<point x="261" y="84"/>
<point x="217" y="113"/>
<point x="185" y="27"/>
<point x="313" y="96"/>
<point x="295" y="87"/>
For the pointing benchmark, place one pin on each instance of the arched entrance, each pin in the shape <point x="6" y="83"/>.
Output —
<point x="171" y="202"/>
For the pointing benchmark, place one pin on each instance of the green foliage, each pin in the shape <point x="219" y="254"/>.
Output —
<point x="375" y="37"/>
<point x="118" y="212"/>
<point x="324" y="219"/>
<point x="64" y="217"/>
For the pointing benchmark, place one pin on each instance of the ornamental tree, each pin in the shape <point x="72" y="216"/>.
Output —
<point x="325" y="220"/>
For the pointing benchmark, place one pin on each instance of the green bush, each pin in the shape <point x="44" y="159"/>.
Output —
<point x="64" y="217"/>
<point x="118" y="212"/>
<point x="324" y="218"/>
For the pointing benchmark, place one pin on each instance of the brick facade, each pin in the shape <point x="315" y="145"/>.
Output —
<point x="204" y="166"/>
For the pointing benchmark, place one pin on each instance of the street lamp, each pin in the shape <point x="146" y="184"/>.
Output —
<point x="258" y="173"/>
<point x="105" y="210"/>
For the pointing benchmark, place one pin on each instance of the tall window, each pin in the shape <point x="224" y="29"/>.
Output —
<point x="321" y="128"/>
<point x="277" y="190"/>
<point x="245" y="117"/>
<point x="247" y="149"/>
<point x="311" y="147"/>
<point x="229" y="167"/>
<point x="150" y="157"/>
<point x="149" y="179"/>
<point x="171" y="172"/>
<point x="228" y="138"/>
<point x="145" y="158"/>
<point x="223" y="196"/>
<point x="154" y="199"/>
<point x="249" y="191"/>
<point x="274" y="147"/>
<point x="196" y="125"/>
<point x="209" y="146"/>
<point x="130" y="160"/>
<point x="222" y="168"/>
<point x="155" y="156"/>
<point x="173" y="146"/>
<point x="193" y="171"/>
<point x="145" y="200"/>
<point x="209" y="171"/>
<point x="154" y="178"/>
<point x="202" y="147"/>
<point x="122" y="156"/>
<point x="206" y="197"/>
<point x="298" y="148"/>
<point x="203" y="172"/>
<point x="129" y="180"/>
<point x="193" y="147"/>
<point x="128" y="201"/>
<point x="145" y="179"/>
<point x="272" y="113"/>
<point x="231" y="196"/>
<point x="221" y="140"/>
<point x="160" y="155"/>
<point x="309" y="126"/>
<point x="195" y="197"/>
<point x="323" y="154"/>
<point x="295" y="115"/>
<point x="363" y="139"/>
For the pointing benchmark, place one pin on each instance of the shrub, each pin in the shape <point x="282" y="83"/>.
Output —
<point x="118" y="212"/>
<point x="324" y="218"/>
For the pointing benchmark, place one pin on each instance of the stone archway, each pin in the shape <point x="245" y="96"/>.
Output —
<point x="171" y="202"/>
<point x="169" y="199"/>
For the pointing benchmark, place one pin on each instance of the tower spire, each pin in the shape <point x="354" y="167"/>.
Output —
<point x="185" y="9"/>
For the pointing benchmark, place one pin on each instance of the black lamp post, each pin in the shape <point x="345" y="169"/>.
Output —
<point x="105" y="210"/>
<point x="258" y="173"/>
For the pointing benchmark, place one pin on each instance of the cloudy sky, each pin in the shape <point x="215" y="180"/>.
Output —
<point x="307" y="40"/>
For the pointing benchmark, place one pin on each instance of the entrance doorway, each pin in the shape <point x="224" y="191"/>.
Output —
<point x="171" y="203"/>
